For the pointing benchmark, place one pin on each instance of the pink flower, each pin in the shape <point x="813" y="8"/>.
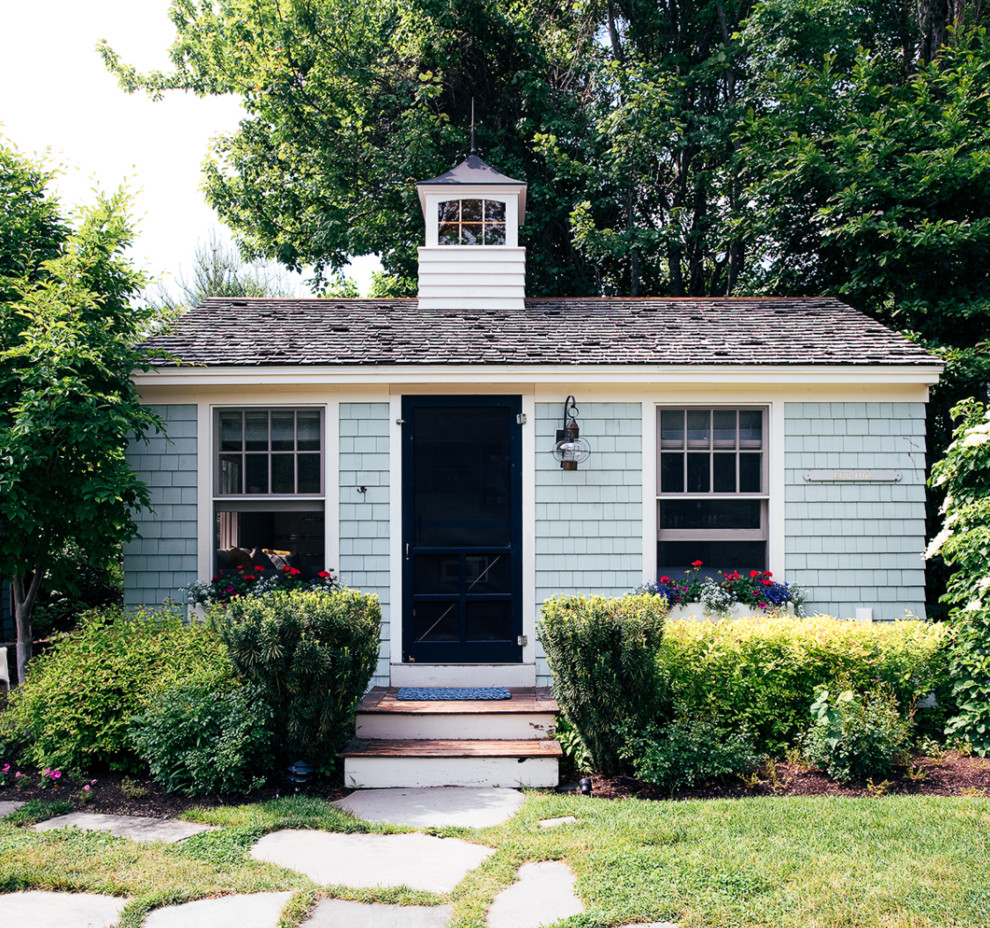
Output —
<point x="56" y="774"/>
<point x="6" y="767"/>
<point x="18" y="775"/>
<point x="86" y="788"/>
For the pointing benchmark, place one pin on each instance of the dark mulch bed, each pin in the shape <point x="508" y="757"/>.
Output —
<point x="952" y="775"/>
<point x="109" y="795"/>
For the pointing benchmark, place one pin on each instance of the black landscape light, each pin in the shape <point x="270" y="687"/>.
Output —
<point x="300" y="773"/>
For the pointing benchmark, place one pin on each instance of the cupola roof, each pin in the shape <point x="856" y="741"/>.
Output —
<point x="474" y="172"/>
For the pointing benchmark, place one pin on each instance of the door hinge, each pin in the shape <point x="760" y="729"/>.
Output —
<point x="522" y="641"/>
<point x="521" y="418"/>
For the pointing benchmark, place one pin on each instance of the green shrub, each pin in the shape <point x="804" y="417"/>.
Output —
<point x="763" y="673"/>
<point x="196" y="739"/>
<point x="602" y="655"/>
<point x="688" y="751"/>
<point x="311" y="655"/>
<point x="856" y="736"/>
<point x="74" y="711"/>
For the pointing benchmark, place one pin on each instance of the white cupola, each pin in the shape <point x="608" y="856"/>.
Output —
<point x="472" y="258"/>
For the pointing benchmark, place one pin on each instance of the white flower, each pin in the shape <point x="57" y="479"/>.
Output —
<point x="935" y="545"/>
<point x="975" y="438"/>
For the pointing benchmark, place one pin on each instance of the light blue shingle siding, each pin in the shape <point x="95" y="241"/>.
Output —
<point x="364" y="518"/>
<point x="589" y="522"/>
<point x="163" y="558"/>
<point x="856" y="544"/>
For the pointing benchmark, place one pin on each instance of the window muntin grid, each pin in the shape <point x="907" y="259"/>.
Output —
<point x="269" y="452"/>
<point x="711" y="452"/>
<point x="471" y="222"/>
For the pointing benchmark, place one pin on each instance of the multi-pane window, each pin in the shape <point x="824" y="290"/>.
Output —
<point x="270" y="452"/>
<point x="711" y="488"/>
<point x="268" y="489"/>
<point x="471" y="222"/>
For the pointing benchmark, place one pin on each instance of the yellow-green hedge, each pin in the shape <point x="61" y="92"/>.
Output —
<point x="763" y="672"/>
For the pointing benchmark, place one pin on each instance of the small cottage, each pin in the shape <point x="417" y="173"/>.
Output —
<point x="467" y="454"/>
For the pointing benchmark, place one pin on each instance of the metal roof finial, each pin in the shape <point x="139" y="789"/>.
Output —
<point x="474" y="144"/>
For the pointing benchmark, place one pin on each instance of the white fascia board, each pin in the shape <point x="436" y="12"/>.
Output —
<point x="512" y="374"/>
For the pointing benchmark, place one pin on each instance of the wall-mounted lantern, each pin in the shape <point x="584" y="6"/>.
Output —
<point x="569" y="447"/>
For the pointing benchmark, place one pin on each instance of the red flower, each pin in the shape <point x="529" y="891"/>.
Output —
<point x="767" y="573"/>
<point x="324" y="574"/>
<point x="696" y="563"/>
<point x="287" y="569"/>
<point x="258" y="569"/>
<point x="250" y="577"/>
<point x="753" y="574"/>
<point x="665" y="579"/>
<point x="767" y="582"/>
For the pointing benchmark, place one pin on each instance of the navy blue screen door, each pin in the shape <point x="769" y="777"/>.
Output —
<point x="462" y="529"/>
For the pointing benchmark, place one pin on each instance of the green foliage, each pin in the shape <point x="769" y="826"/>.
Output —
<point x="70" y="341"/>
<point x="602" y="655"/>
<point x="964" y="542"/>
<point x="762" y="674"/>
<point x="198" y="739"/>
<point x="218" y="271"/>
<point x="310" y="654"/>
<point x="571" y="744"/>
<point x="856" y="736"/>
<point x="75" y="710"/>
<point x="689" y="751"/>
<point x="348" y="103"/>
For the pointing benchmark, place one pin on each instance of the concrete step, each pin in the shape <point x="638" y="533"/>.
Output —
<point x="383" y="763"/>
<point x="530" y="714"/>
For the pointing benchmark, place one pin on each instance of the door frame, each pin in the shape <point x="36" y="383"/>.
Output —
<point x="498" y="652"/>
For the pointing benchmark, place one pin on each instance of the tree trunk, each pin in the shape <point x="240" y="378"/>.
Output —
<point x="24" y="596"/>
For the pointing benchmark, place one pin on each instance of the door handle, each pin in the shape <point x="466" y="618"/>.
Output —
<point x="407" y="550"/>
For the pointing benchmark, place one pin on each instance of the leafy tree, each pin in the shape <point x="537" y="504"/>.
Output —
<point x="867" y="171"/>
<point x="70" y="336"/>
<point x="964" y="542"/>
<point x="219" y="271"/>
<point x="351" y="101"/>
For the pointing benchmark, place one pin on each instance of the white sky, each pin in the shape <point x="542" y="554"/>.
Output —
<point x="56" y="95"/>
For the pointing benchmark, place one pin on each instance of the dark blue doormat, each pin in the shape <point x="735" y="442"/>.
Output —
<point x="449" y="692"/>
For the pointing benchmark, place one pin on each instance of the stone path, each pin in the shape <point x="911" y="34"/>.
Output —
<point x="543" y="894"/>
<point x="363" y="861"/>
<point x="557" y="822"/>
<point x="60" y="910"/>
<point x="257" y="910"/>
<point x="428" y="807"/>
<point x="135" y="827"/>
<point x="7" y="806"/>
<point x="336" y="913"/>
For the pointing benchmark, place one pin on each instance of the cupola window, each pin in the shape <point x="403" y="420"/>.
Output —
<point x="471" y="222"/>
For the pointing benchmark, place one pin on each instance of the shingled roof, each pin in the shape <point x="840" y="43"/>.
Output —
<point x="747" y="331"/>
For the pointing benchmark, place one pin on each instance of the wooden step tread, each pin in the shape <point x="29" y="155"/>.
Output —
<point x="526" y="700"/>
<point x="436" y="748"/>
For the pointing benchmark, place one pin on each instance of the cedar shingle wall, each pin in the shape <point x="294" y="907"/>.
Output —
<point x="856" y="544"/>
<point x="364" y="525"/>
<point x="589" y="522"/>
<point x="162" y="560"/>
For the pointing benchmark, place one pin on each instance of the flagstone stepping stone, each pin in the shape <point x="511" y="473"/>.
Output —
<point x="437" y="807"/>
<point x="255" y="910"/>
<point x="362" y="861"/>
<point x="557" y="822"/>
<point x="543" y="894"/>
<point x="60" y="910"/>
<point x="337" y="913"/>
<point x="135" y="827"/>
<point x="6" y="807"/>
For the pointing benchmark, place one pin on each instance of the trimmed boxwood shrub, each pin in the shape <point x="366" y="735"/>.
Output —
<point x="603" y="657"/>
<point x="311" y="655"/>
<point x="75" y="709"/>
<point x="763" y="674"/>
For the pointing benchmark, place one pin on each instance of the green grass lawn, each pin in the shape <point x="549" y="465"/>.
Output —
<point x="890" y="862"/>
